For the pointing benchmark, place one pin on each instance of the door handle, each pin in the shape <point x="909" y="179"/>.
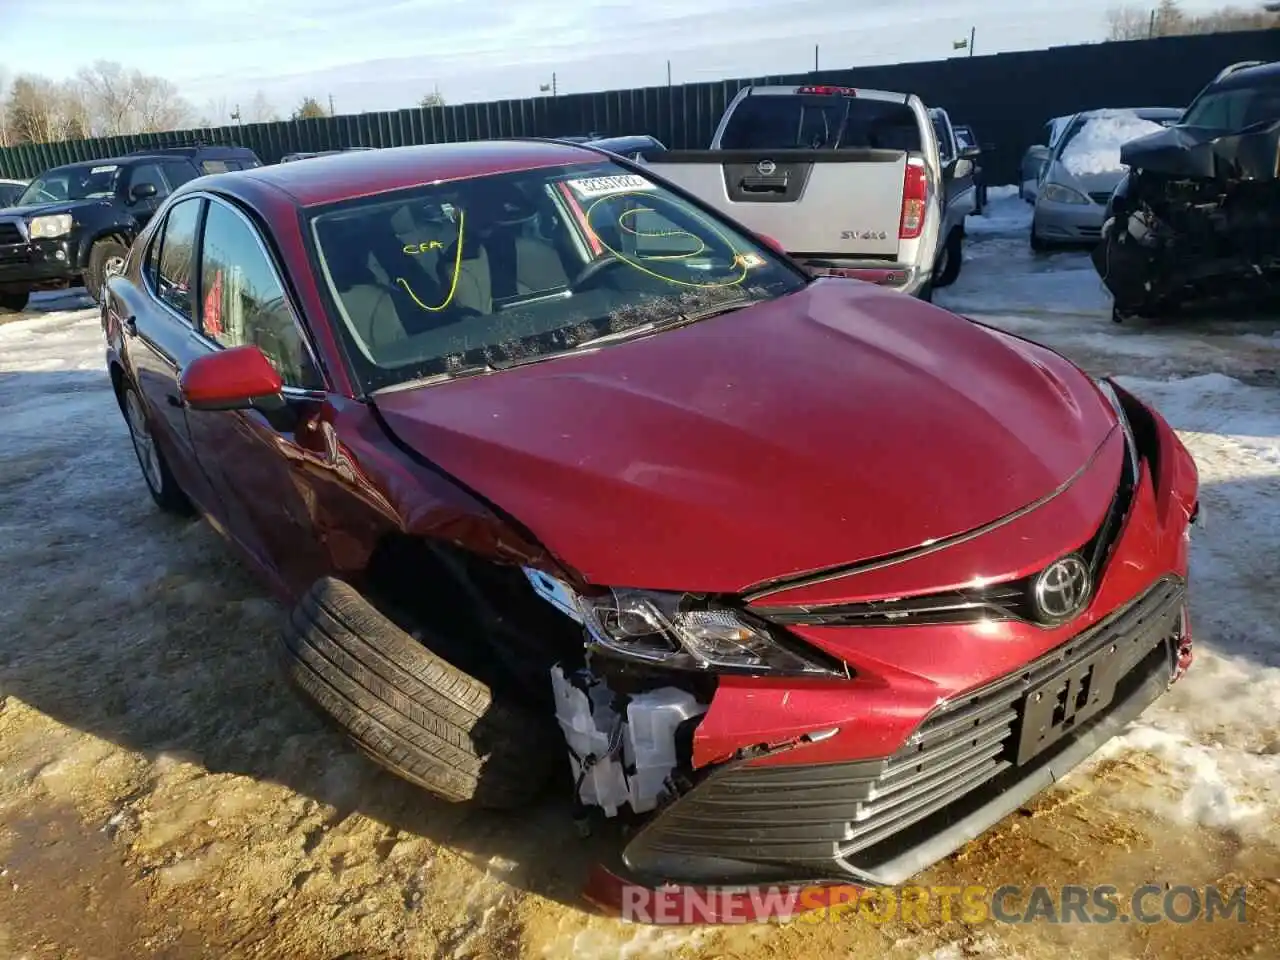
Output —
<point x="130" y="324"/>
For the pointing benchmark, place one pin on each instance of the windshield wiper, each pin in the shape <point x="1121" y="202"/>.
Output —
<point x="675" y="320"/>
<point x="457" y="373"/>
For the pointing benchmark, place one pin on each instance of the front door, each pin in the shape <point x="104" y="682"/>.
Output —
<point x="265" y="466"/>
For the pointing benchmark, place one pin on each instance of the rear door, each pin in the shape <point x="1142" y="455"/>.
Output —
<point x="820" y="169"/>
<point x="158" y="320"/>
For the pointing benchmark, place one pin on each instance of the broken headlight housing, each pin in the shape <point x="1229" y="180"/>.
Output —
<point x="685" y="631"/>
<point x="682" y="631"/>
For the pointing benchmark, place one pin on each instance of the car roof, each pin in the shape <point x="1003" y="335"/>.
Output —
<point x="1146" y="113"/>
<point x="360" y="173"/>
<point x="1245" y="76"/>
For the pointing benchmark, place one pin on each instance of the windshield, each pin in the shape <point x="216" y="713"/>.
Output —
<point x="1091" y="146"/>
<point x="86" y="182"/>
<point x="500" y="270"/>
<point x="817" y="121"/>
<point x="1238" y="107"/>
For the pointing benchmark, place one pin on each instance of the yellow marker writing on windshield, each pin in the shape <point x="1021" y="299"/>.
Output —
<point x="457" y="266"/>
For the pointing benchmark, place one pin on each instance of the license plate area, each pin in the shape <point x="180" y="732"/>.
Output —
<point x="1058" y="706"/>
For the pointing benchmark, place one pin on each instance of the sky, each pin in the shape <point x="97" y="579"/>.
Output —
<point x="386" y="54"/>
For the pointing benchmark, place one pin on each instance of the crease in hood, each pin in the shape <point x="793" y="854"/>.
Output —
<point x="839" y="423"/>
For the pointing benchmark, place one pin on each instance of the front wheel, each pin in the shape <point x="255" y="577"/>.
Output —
<point x="162" y="486"/>
<point x="106" y="259"/>
<point x="13" y="302"/>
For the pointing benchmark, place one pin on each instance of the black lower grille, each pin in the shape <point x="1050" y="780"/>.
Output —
<point x="1101" y="197"/>
<point x="10" y="234"/>
<point x="744" y="822"/>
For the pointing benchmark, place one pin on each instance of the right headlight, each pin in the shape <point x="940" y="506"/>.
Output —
<point x="682" y="631"/>
<point x="1057" y="193"/>
<point x="46" y="228"/>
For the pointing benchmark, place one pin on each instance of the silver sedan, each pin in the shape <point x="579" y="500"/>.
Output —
<point x="1084" y="170"/>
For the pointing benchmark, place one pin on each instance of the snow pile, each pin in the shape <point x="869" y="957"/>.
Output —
<point x="1096" y="148"/>
<point x="1005" y="213"/>
<point x="1216" y="734"/>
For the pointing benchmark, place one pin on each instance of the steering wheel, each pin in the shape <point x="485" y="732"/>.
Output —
<point x="594" y="269"/>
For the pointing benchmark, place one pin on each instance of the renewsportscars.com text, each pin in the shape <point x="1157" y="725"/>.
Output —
<point x="1013" y="904"/>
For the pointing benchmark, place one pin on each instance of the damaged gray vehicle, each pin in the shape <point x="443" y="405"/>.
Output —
<point x="1197" y="217"/>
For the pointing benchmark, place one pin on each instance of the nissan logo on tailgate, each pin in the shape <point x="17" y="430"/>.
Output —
<point x="766" y="168"/>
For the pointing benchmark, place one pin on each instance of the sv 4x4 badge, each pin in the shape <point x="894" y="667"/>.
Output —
<point x="864" y="235"/>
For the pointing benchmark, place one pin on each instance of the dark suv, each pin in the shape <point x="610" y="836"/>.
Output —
<point x="74" y="224"/>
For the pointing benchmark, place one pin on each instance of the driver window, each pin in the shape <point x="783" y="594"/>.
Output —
<point x="148" y="173"/>
<point x="242" y="299"/>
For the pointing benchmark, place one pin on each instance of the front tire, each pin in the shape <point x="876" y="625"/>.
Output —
<point x="14" y="302"/>
<point x="161" y="485"/>
<point x="106" y="259"/>
<point x="1038" y="245"/>
<point x="410" y="711"/>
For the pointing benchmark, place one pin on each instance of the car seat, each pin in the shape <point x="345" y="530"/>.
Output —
<point x="369" y="304"/>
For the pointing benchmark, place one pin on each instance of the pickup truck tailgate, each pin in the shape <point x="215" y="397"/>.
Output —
<point x="825" y="203"/>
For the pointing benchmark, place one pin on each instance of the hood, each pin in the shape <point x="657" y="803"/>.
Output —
<point x="1089" y="183"/>
<point x="1208" y="153"/>
<point x="54" y="207"/>
<point x="836" y="424"/>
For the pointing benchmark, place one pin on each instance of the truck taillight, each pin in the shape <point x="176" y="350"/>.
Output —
<point x="826" y="90"/>
<point x="915" y="192"/>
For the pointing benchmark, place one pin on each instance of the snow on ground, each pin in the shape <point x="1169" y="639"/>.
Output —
<point x="163" y="794"/>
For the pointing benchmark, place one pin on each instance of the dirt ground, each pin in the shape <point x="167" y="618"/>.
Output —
<point x="164" y="794"/>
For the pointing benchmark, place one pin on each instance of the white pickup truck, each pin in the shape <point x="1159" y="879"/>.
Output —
<point x="851" y="182"/>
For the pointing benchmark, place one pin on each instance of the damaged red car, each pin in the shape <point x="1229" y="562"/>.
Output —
<point x="562" y="472"/>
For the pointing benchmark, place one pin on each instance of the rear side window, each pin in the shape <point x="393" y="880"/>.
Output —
<point x="816" y="122"/>
<point x="176" y="272"/>
<point x="179" y="172"/>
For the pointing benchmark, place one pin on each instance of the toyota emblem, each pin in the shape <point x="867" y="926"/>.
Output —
<point x="766" y="168"/>
<point x="1062" y="589"/>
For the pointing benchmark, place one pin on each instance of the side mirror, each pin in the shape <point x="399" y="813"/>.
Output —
<point x="141" y="191"/>
<point x="234" y="379"/>
<point x="1039" y="153"/>
<point x="963" y="168"/>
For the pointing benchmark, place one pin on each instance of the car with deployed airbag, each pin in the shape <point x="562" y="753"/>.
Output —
<point x="560" y="470"/>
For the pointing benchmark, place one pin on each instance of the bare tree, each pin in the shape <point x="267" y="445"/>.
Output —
<point x="1128" y="23"/>
<point x="1168" y="19"/>
<point x="124" y="101"/>
<point x="261" y="109"/>
<point x="215" y="113"/>
<point x="37" y="110"/>
<point x="433" y="99"/>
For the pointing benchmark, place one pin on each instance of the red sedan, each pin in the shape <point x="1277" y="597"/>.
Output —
<point x="560" y="468"/>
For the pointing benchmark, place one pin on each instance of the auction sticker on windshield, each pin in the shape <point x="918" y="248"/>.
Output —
<point x="603" y="186"/>
<point x="107" y="169"/>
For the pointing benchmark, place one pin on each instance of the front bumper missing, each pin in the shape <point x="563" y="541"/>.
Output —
<point x="883" y="821"/>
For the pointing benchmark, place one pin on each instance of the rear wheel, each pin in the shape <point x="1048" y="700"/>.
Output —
<point x="411" y="711"/>
<point x="13" y="302"/>
<point x="950" y="258"/>
<point x="106" y="259"/>
<point x="162" y="486"/>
